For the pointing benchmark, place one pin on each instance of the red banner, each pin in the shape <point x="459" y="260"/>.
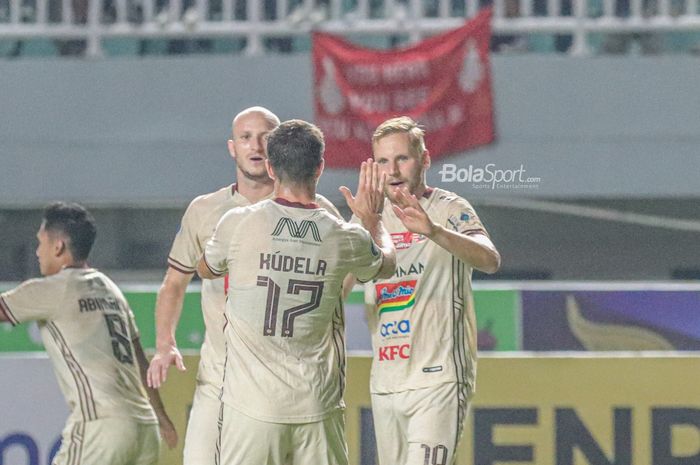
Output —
<point x="444" y="83"/>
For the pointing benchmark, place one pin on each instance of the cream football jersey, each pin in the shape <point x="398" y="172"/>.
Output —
<point x="87" y="328"/>
<point x="285" y="330"/>
<point x="198" y="224"/>
<point x="422" y="319"/>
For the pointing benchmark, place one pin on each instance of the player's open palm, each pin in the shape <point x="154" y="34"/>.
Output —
<point x="161" y="362"/>
<point x="368" y="202"/>
<point x="412" y="214"/>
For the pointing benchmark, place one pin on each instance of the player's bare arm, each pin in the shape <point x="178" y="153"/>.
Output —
<point x="168" y="310"/>
<point x="167" y="429"/>
<point x="367" y="205"/>
<point x="474" y="249"/>
<point x="203" y="270"/>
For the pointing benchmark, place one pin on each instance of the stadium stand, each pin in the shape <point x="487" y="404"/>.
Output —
<point x="145" y="27"/>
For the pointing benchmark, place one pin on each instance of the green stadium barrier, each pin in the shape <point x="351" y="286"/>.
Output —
<point x="498" y="320"/>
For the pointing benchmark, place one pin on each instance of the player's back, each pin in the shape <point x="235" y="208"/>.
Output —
<point x="87" y="328"/>
<point x="285" y="331"/>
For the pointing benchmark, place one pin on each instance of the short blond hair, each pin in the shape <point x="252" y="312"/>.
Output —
<point x="402" y="124"/>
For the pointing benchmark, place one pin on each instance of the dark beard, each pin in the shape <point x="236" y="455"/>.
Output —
<point x="257" y="178"/>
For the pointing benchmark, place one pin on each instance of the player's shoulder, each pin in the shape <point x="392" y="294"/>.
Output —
<point x="35" y="284"/>
<point x="444" y="196"/>
<point x="353" y="231"/>
<point x="94" y="274"/>
<point x="237" y="214"/>
<point x="54" y="284"/>
<point x="447" y="200"/>
<point x="204" y="203"/>
<point x="323" y="202"/>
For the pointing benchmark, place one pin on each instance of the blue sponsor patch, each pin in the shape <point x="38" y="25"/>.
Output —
<point x="464" y="217"/>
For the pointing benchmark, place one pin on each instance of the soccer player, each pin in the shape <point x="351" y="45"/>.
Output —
<point x="285" y="345"/>
<point x="422" y="318"/>
<point x="91" y="338"/>
<point x="247" y="147"/>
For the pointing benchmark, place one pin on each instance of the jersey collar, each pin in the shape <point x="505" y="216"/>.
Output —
<point x="287" y="203"/>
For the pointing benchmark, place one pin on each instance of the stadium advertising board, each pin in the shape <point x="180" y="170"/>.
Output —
<point x="611" y="320"/>
<point x="32" y="410"/>
<point x="631" y="410"/>
<point x="498" y="321"/>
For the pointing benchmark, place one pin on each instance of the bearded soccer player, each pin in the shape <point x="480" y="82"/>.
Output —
<point x="285" y="338"/>
<point x="422" y="318"/>
<point x="247" y="146"/>
<point x="91" y="338"/>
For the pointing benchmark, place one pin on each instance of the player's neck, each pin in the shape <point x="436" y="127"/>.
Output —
<point x="295" y="193"/>
<point x="254" y="191"/>
<point x="76" y="264"/>
<point x="420" y="190"/>
<point x="61" y="264"/>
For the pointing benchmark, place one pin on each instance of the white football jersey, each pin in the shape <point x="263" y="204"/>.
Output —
<point x="87" y="328"/>
<point x="422" y="319"/>
<point x="198" y="224"/>
<point x="285" y="334"/>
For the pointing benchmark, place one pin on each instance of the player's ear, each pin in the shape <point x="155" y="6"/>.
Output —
<point x="319" y="170"/>
<point x="59" y="247"/>
<point x="426" y="159"/>
<point x="231" y="149"/>
<point x="270" y="171"/>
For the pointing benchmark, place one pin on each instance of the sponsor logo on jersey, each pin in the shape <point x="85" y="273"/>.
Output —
<point x="297" y="230"/>
<point x="456" y="221"/>
<point x="434" y="369"/>
<point x="404" y="240"/>
<point x="393" y="297"/>
<point x="402" y="352"/>
<point x="394" y="329"/>
<point x="415" y="268"/>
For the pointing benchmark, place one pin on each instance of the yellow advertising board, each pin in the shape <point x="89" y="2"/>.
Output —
<point x="543" y="410"/>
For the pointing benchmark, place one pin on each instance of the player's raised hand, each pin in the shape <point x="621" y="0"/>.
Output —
<point x="367" y="204"/>
<point x="411" y="213"/>
<point x="161" y="362"/>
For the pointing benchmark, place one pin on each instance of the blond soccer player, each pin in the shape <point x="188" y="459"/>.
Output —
<point x="247" y="147"/>
<point x="422" y="318"/>
<point x="91" y="338"/>
<point x="285" y="340"/>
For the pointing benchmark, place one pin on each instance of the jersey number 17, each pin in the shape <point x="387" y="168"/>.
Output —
<point x="295" y="286"/>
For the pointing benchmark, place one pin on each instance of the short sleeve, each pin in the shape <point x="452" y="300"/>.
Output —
<point x="366" y="259"/>
<point x="462" y="218"/>
<point x="216" y="250"/>
<point x="133" y="329"/>
<point x="186" y="250"/>
<point x="32" y="300"/>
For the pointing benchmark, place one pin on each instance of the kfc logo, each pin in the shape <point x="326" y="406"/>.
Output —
<point x="393" y="352"/>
